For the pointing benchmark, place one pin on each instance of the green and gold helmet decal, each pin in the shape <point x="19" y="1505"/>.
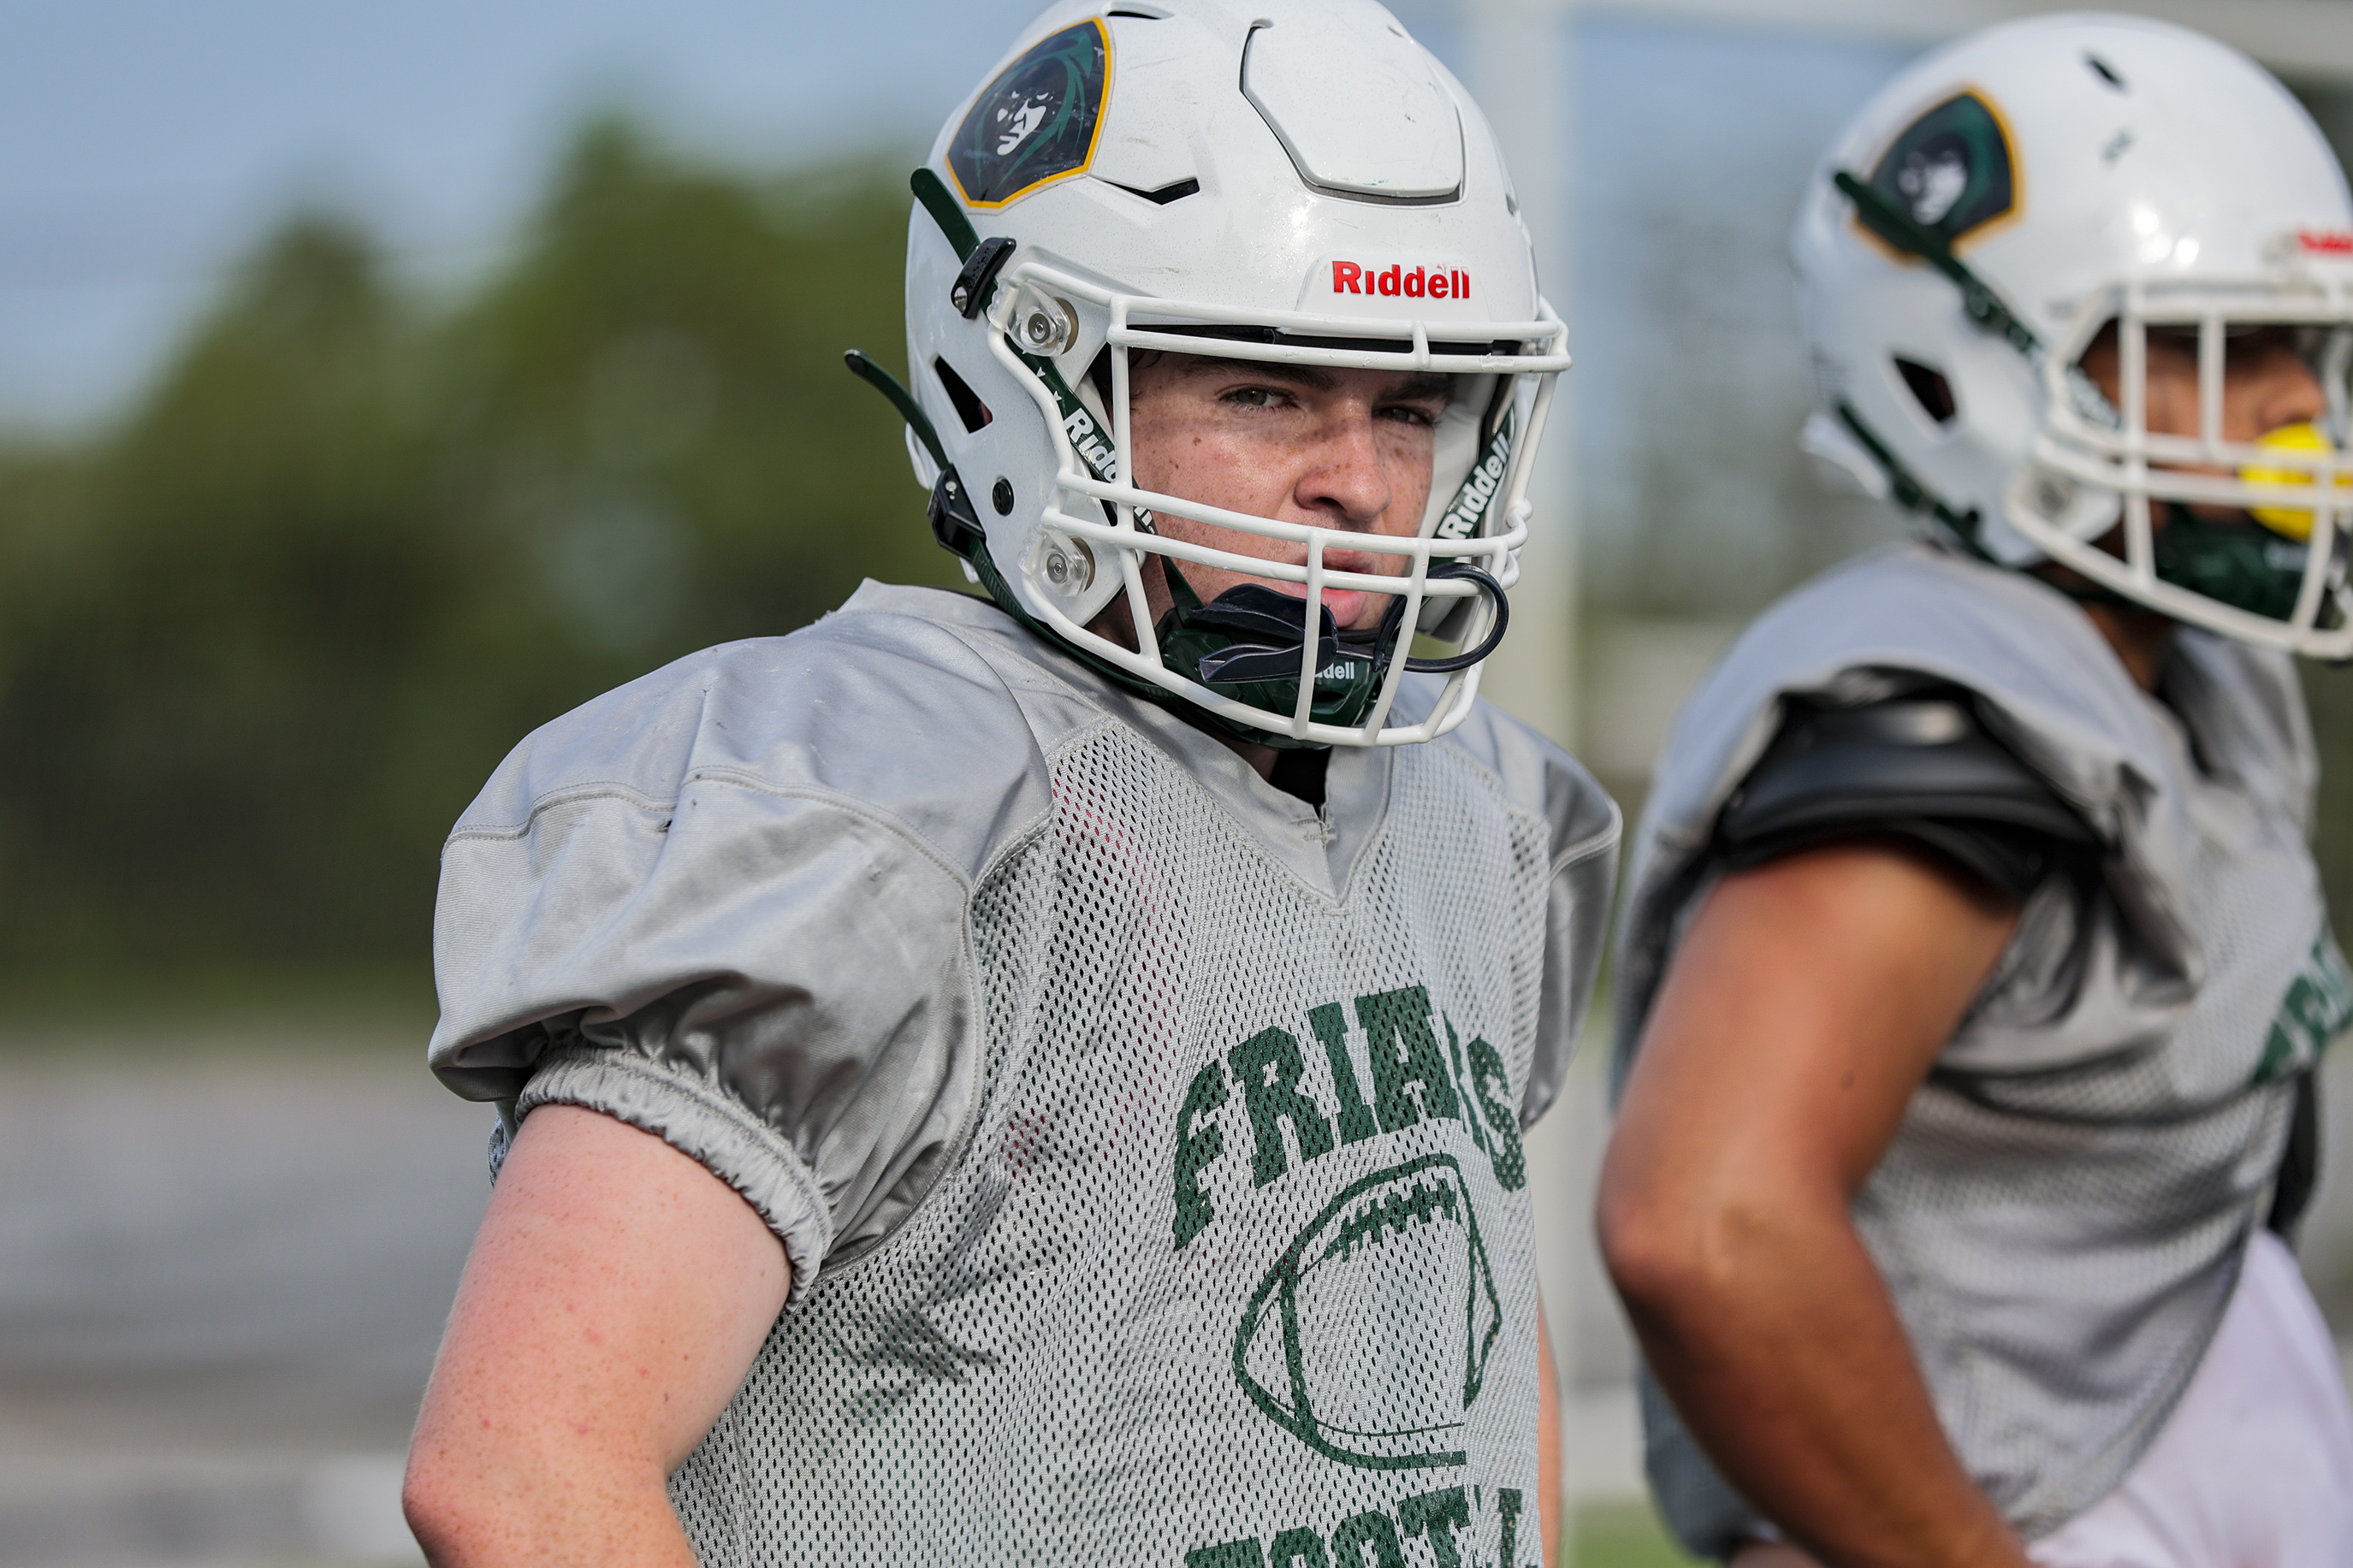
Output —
<point x="1037" y="121"/>
<point x="1951" y="169"/>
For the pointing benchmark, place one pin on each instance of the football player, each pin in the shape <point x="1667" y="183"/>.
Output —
<point x="1041" y="1078"/>
<point x="1975" y="964"/>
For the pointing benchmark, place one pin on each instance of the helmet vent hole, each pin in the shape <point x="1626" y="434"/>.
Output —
<point x="1160" y="197"/>
<point x="968" y="405"/>
<point x="2105" y="72"/>
<point x="1929" y="389"/>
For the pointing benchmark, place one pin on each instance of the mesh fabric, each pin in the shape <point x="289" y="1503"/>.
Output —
<point x="2115" y="1194"/>
<point x="1234" y="1260"/>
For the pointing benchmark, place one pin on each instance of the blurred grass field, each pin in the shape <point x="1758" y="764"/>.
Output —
<point x="1622" y="1535"/>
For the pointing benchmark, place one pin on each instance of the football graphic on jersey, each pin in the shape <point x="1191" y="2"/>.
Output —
<point x="1368" y="1338"/>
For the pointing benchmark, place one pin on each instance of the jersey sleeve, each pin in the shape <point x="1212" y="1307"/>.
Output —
<point x="1586" y="828"/>
<point x="1917" y="766"/>
<point x="764" y="969"/>
<point x="1583" y="828"/>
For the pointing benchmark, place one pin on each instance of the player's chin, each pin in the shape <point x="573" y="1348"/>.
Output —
<point x="1351" y="608"/>
<point x="1367" y="617"/>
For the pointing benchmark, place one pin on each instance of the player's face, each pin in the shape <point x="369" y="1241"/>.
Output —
<point x="1337" y="449"/>
<point x="2266" y="384"/>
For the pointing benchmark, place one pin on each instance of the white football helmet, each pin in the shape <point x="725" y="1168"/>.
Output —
<point x="1998" y="207"/>
<point x="1294" y="181"/>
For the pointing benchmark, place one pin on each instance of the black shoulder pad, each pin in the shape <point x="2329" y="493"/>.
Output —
<point x="1919" y="765"/>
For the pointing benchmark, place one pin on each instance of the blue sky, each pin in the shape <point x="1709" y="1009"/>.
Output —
<point x="149" y="142"/>
<point x="144" y="143"/>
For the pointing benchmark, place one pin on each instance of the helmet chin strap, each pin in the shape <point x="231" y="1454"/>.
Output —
<point x="2228" y="561"/>
<point x="1966" y="528"/>
<point x="1250" y="641"/>
<point x="1248" y="644"/>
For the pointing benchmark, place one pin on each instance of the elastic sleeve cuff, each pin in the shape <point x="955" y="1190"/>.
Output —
<point x="708" y="1128"/>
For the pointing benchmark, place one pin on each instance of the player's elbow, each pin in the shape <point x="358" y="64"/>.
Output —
<point x="1650" y="1245"/>
<point x="443" y="1500"/>
<point x="493" y="1489"/>
<point x="1680" y="1251"/>
<point x="468" y="1504"/>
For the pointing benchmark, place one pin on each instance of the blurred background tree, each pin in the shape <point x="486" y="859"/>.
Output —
<point x="263" y="637"/>
<point x="261" y="642"/>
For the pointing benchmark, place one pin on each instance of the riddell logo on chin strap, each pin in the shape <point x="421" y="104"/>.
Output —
<point x="1399" y="282"/>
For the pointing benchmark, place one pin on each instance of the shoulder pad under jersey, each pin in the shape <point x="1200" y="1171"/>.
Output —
<point x="1919" y="765"/>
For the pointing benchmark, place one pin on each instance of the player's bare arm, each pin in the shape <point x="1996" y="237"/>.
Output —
<point x="615" y="1296"/>
<point x="1807" y="1000"/>
<point x="1948" y="1228"/>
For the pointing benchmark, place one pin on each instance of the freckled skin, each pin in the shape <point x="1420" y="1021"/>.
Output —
<point x="1337" y="449"/>
<point x="603" y="1248"/>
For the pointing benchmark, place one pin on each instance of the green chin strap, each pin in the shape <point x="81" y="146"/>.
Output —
<point x="2236" y="561"/>
<point x="1246" y="646"/>
<point x="1185" y="643"/>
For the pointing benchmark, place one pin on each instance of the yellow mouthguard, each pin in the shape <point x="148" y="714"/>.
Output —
<point x="2293" y="521"/>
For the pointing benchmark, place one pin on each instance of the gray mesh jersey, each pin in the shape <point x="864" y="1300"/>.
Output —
<point x="2061" y="1216"/>
<point x="1145" y="1143"/>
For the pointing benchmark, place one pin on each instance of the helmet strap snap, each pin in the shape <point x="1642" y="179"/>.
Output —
<point x="1248" y="644"/>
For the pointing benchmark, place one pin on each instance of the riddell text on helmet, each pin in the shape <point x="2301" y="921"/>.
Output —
<point x="1399" y="280"/>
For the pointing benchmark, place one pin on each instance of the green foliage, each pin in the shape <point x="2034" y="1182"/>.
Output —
<point x="259" y="645"/>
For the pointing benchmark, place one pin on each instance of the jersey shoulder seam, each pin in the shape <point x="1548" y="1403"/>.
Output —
<point x="738" y="778"/>
<point x="1593" y="844"/>
<point x="565" y="795"/>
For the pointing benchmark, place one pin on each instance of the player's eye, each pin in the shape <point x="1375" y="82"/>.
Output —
<point x="1253" y="396"/>
<point x="2255" y="349"/>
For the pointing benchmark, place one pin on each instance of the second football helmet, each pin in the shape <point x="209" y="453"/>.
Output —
<point x="2048" y="184"/>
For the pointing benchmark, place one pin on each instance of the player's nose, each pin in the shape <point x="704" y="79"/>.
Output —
<point x="1343" y="480"/>
<point x="2284" y="389"/>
